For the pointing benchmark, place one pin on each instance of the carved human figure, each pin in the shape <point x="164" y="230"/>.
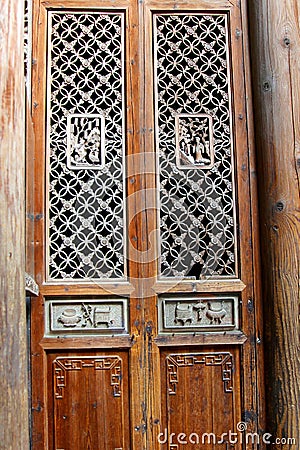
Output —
<point x="199" y="149"/>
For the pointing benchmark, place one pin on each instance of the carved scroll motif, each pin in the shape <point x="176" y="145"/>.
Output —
<point x="86" y="146"/>
<point x="224" y="360"/>
<point x="63" y="365"/>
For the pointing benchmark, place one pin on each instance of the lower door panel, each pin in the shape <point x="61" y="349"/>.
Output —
<point x="200" y="398"/>
<point x="88" y="401"/>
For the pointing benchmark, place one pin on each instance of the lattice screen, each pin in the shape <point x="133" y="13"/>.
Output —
<point x="193" y="114"/>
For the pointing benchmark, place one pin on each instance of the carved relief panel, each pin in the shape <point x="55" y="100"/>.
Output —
<point x="74" y="317"/>
<point x="186" y="314"/>
<point x="85" y="389"/>
<point x="194" y="141"/>
<point x="85" y="141"/>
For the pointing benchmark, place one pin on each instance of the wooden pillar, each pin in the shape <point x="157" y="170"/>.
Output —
<point x="275" y="41"/>
<point x="13" y="370"/>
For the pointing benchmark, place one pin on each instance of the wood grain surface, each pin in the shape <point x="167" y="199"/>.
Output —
<point x="13" y="358"/>
<point x="275" y="42"/>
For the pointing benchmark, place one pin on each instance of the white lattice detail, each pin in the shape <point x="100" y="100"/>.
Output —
<point x="85" y="146"/>
<point x="193" y="118"/>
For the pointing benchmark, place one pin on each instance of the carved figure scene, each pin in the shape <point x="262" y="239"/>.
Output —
<point x="85" y="142"/>
<point x="194" y="141"/>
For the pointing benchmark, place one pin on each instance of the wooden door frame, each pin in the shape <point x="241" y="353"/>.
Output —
<point x="13" y="367"/>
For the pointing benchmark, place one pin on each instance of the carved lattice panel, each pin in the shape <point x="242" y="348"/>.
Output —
<point x="86" y="146"/>
<point x="195" y="145"/>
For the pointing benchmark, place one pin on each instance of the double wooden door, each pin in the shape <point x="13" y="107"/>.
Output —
<point x="145" y="334"/>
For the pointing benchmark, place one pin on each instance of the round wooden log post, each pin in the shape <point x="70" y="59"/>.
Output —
<point x="275" y="53"/>
<point x="13" y="367"/>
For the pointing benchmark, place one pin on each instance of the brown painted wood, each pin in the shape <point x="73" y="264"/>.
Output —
<point x="275" y="55"/>
<point x="191" y="408"/>
<point x="144" y="350"/>
<point x="13" y="359"/>
<point x="88" y="343"/>
<point x="216" y="339"/>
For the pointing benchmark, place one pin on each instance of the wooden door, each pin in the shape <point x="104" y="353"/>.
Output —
<point x="146" y="331"/>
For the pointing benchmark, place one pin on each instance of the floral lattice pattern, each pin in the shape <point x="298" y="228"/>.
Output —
<point x="196" y="181"/>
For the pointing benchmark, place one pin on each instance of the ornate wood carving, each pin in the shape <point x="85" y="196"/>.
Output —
<point x="30" y="285"/>
<point x="64" y="364"/>
<point x="195" y="145"/>
<point x="85" y="141"/>
<point x="183" y="314"/>
<point x="194" y="141"/>
<point x="86" y="316"/>
<point x="224" y="360"/>
<point x="85" y="120"/>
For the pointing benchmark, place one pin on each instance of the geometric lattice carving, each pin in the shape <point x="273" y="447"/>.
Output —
<point x="195" y="145"/>
<point x="85" y="141"/>
<point x="224" y="360"/>
<point x="64" y="364"/>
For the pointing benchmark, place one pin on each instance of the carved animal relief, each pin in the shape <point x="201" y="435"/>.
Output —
<point x="186" y="314"/>
<point x="104" y="317"/>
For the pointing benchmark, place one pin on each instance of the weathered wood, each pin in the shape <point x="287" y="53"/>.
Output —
<point x="29" y="222"/>
<point x="275" y="43"/>
<point x="201" y="339"/>
<point x="13" y="367"/>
